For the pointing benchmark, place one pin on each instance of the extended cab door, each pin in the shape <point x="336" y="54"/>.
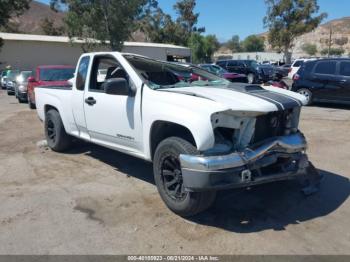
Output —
<point x="112" y="120"/>
<point x="81" y="83"/>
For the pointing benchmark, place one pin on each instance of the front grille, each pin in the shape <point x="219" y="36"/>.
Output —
<point x="269" y="125"/>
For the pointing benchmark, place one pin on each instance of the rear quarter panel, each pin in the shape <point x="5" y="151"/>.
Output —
<point x="60" y="99"/>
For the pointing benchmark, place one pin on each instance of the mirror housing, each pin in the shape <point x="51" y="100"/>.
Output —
<point x="118" y="86"/>
<point x="31" y="79"/>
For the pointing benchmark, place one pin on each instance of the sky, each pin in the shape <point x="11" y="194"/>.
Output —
<point x="226" y="18"/>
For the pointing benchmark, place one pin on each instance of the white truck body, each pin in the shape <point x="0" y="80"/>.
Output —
<point x="127" y="122"/>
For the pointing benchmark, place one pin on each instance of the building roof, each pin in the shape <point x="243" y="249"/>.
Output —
<point x="65" y="39"/>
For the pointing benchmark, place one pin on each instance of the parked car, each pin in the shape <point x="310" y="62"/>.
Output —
<point x="232" y="77"/>
<point x="283" y="70"/>
<point x="324" y="80"/>
<point x="3" y="79"/>
<point x="48" y="75"/>
<point x="277" y="82"/>
<point x="296" y="65"/>
<point x="21" y="84"/>
<point x="10" y="81"/>
<point x="255" y="73"/>
<point x="202" y="136"/>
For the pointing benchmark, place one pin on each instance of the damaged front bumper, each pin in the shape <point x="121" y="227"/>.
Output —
<point x="275" y="159"/>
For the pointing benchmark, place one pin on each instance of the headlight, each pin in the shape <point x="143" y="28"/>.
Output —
<point x="22" y="88"/>
<point x="234" y="127"/>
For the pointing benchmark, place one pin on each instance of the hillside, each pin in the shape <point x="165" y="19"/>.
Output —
<point x="29" y="22"/>
<point x="319" y="37"/>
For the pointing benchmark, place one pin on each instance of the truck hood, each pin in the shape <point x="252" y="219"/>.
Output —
<point x="243" y="97"/>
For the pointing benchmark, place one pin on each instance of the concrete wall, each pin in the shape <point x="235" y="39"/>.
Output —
<point x="27" y="55"/>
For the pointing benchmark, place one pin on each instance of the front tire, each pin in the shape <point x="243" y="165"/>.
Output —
<point x="168" y="178"/>
<point x="21" y="100"/>
<point x="308" y="95"/>
<point x="251" y="78"/>
<point x="57" y="138"/>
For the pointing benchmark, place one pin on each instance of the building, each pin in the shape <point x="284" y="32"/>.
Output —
<point x="25" y="51"/>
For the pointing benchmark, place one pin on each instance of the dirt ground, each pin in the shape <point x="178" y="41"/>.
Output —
<point x="93" y="200"/>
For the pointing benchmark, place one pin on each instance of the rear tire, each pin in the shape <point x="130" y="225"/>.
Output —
<point x="57" y="138"/>
<point x="168" y="178"/>
<point x="30" y="104"/>
<point x="307" y="93"/>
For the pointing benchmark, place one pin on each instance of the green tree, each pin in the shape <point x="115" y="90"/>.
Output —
<point x="203" y="47"/>
<point x="332" y="51"/>
<point x="211" y="44"/>
<point x="8" y="9"/>
<point x="109" y="21"/>
<point x="310" y="49"/>
<point x="288" y="19"/>
<point x="160" y="28"/>
<point x="187" y="20"/>
<point x="48" y="27"/>
<point x="253" y="43"/>
<point x="234" y="44"/>
<point x="197" y="44"/>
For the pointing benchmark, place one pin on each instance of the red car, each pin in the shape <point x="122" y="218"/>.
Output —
<point x="48" y="75"/>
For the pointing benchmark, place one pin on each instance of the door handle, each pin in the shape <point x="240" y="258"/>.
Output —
<point x="90" y="101"/>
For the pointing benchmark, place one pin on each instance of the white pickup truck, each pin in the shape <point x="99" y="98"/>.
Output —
<point x="202" y="133"/>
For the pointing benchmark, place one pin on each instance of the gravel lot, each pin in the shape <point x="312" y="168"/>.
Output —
<point x="93" y="200"/>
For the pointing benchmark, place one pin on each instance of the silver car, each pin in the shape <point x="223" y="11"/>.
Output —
<point x="11" y="81"/>
<point x="21" y="85"/>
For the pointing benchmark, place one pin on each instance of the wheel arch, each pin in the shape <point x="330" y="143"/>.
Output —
<point x="161" y="130"/>
<point x="48" y="107"/>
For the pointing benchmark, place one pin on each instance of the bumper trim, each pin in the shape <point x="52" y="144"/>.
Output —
<point x="285" y="144"/>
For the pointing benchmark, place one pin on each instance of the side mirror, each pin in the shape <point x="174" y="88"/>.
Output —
<point x="70" y="81"/>
<point x="31" y="79"/>
<point x="118" y="86"/>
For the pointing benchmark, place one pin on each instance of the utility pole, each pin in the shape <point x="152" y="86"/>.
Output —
<point x="330" y="41"/>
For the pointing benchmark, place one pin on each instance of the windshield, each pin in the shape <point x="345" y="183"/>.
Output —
<point x="160" y="74"/>
<point x="12" y="75"/>
<point x="24" y="76"/>
<point x="56" y="74"/>
<point x="218" y="69"/>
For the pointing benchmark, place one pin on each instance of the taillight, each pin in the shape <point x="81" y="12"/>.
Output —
<point x="296" y="77"/>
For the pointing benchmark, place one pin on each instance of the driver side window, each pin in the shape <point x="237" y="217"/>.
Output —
<point x="103" y="69"/>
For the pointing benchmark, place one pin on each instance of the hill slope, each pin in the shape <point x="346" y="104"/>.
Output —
<point x="30" y="21"/>
<point x="340" y="37"/>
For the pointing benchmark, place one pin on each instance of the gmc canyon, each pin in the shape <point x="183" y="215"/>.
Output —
<point x="202" y="135"/>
